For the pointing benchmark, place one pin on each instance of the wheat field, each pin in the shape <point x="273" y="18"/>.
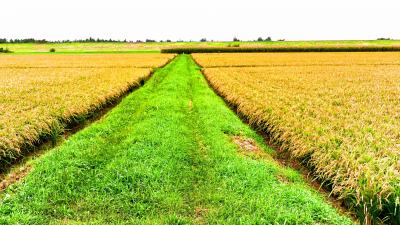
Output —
<point x="338" y="111"/>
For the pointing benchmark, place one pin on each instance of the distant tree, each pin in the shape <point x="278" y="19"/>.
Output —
<point x="203" y="40"/>
<point x="150" y="40"/>
<point x="266" y="39"/>
<point x="2" y="50"/>
<point x="52" y="50"/>
<point x="41" y="41"/>
<point x="236" y="39"/>
<point x="168" y="40"/>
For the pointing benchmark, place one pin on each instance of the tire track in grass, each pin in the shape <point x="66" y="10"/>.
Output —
<point x="164" y="156"/>
<point x="199" y="156"/>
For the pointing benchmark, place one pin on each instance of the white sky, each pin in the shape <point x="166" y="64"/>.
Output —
<point x="187" y="19"/>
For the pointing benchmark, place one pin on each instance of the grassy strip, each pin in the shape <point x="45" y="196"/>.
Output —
<point x="164" y="156"/>
<point x="190" y="50"/>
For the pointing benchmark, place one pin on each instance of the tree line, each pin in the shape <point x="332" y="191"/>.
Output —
<point x="43" y="41"/>
<point x="94" y="40"/>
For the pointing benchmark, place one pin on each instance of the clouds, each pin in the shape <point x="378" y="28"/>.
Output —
<point x="219" y="20"/>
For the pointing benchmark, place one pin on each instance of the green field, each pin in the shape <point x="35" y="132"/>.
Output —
<point x="156" y="47"/>
<point x="171" y="152"/>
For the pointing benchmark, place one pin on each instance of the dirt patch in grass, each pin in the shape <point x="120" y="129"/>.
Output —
<point x="249" y="147"/>
<point x="190" y="105"/>
<point x="200" y="212"/>
<point x="15" y="176"/>
<point x="246" y="144"/>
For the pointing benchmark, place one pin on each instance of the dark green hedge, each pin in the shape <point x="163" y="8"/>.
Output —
<point x="283" y="49"/>
<point x="2" y="50"/>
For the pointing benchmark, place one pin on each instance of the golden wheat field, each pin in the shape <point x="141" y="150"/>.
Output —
<point x="40" y="93"/>
<point x="338" y="111"/>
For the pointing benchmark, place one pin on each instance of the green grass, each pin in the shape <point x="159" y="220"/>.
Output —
<point x="164" y="155"/>
<point x="156" y="47"/>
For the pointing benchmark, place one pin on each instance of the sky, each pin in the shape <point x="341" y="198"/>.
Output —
<point x="193" y="20"/>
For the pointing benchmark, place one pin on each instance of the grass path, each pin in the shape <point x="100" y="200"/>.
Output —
<point x="164" y="155"/>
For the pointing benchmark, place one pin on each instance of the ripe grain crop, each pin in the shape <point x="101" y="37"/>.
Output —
<point x="40" y="94"/>
<point x="340" y="112"/>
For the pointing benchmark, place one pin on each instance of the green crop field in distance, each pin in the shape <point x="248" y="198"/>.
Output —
<point x="156" y="47"/>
